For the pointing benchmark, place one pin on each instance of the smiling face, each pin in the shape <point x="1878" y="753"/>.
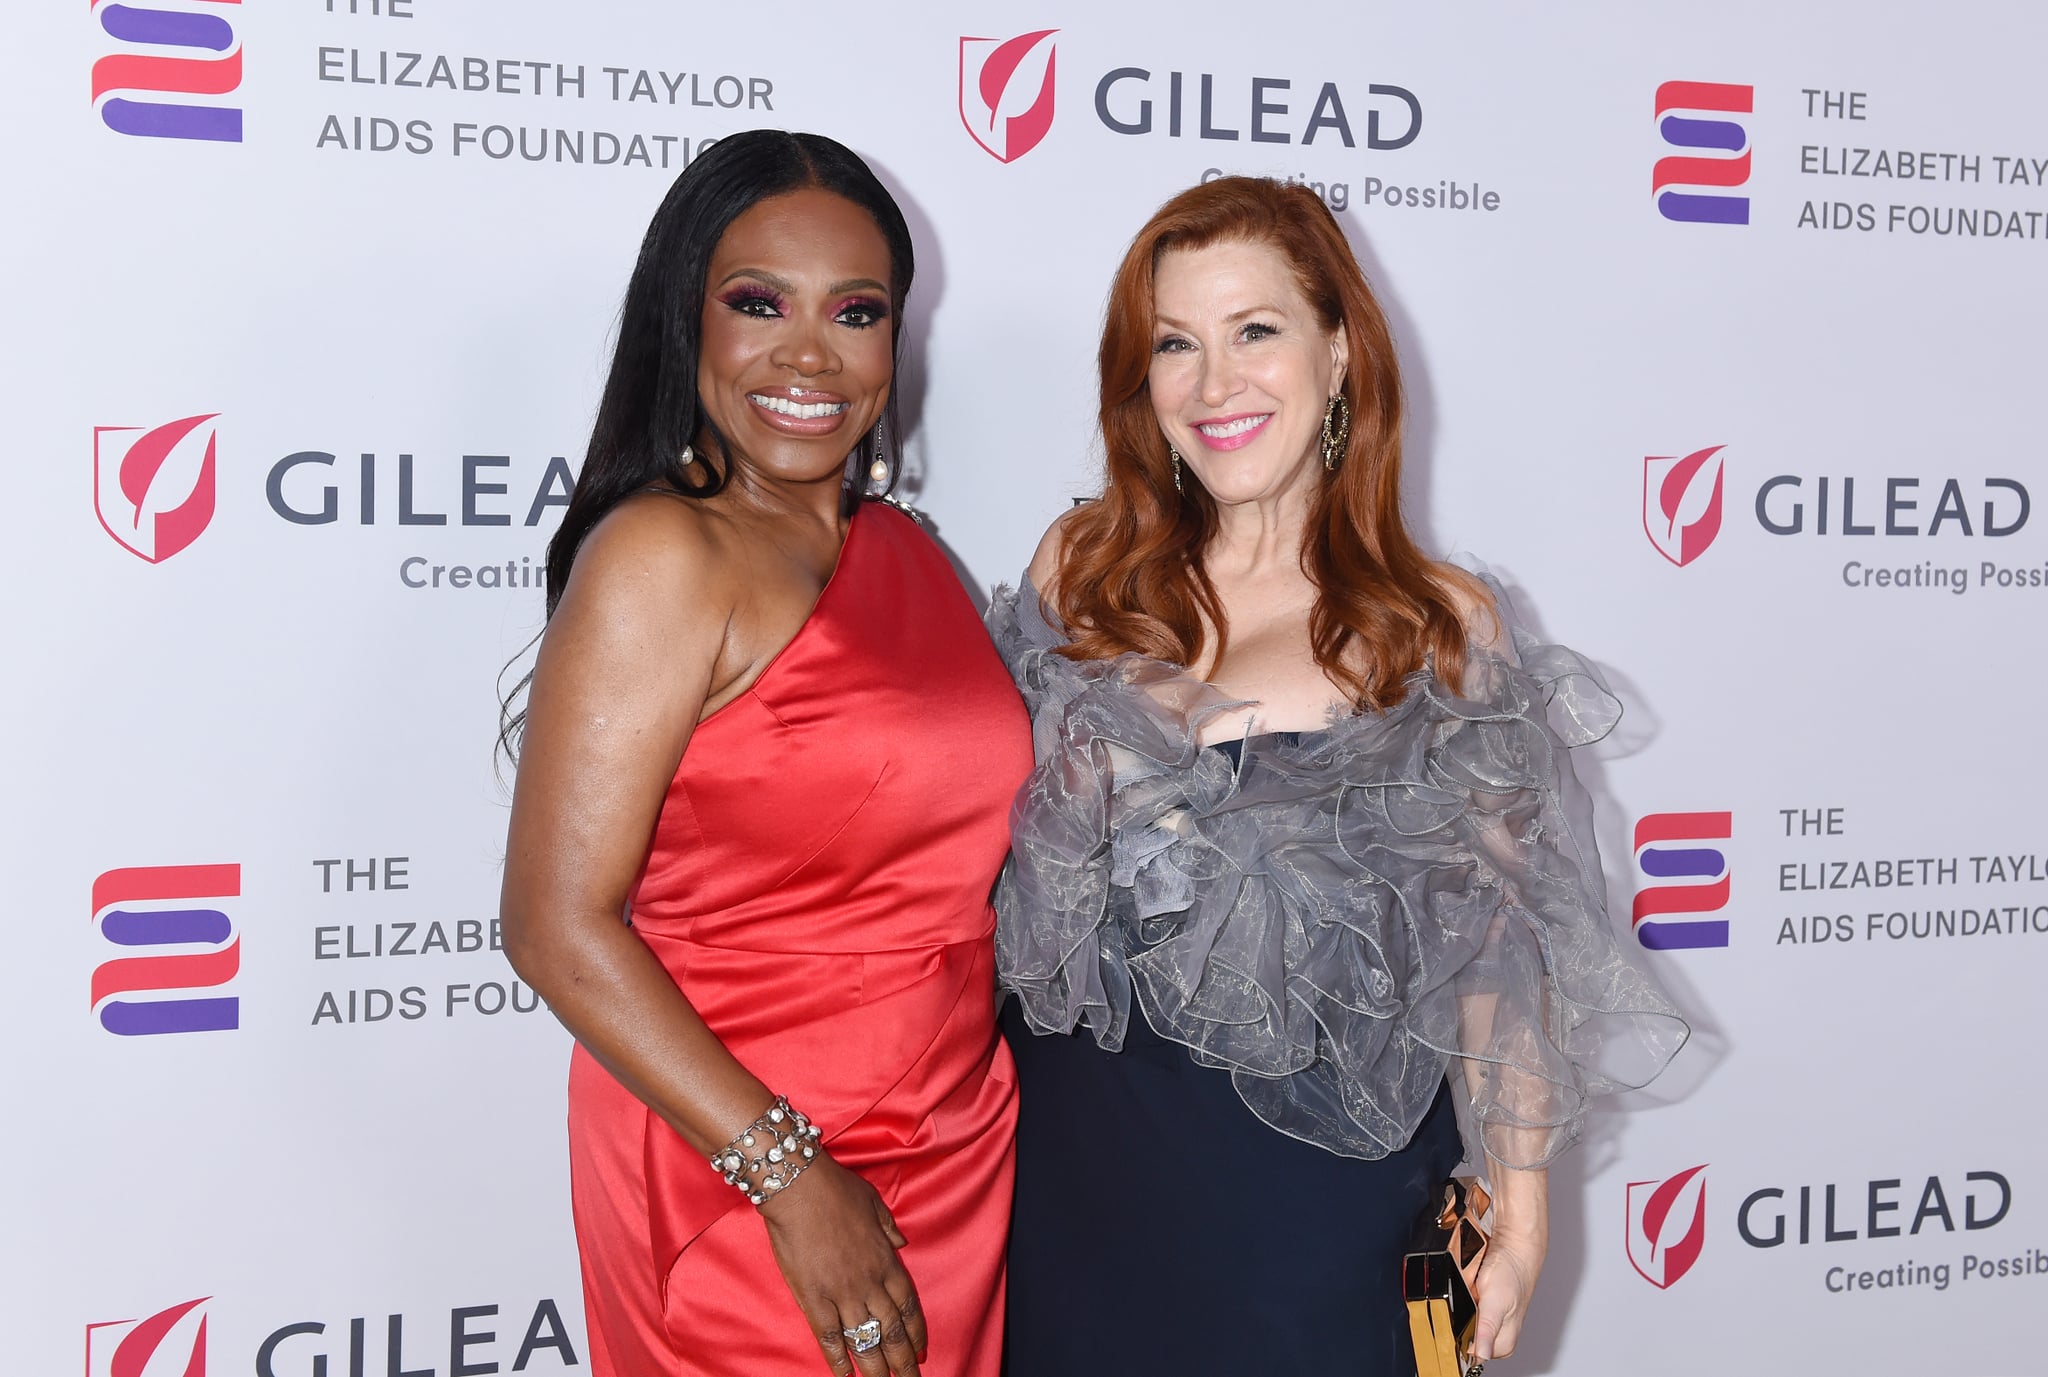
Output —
<point x="797" y="352"/>
<point x="1242" y="370"/>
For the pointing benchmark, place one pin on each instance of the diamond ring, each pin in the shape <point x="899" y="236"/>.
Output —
<point x="864" y="1337"/>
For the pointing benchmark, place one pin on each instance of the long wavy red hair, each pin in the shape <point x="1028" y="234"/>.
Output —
<point x="1131" y="575"/>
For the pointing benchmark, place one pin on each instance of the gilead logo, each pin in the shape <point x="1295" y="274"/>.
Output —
<point x="170" y="1343"/>
<point x="478" y="1340"/>
<point x="1893" y="1208"/>
<point x="1667" y="1225"/>
<point x="1006" y="92"/>
<point x="154" y="489"/>
<point x="1682" y="503"/>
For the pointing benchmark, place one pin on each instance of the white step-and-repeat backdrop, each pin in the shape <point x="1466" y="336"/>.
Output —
<point x="1722" y="328"/>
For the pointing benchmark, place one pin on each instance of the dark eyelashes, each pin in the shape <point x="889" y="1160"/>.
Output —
<point x="1253" y="330"/>
<point x="875" y="311"/>
<point x="745" y="299"/>
<point x="763" y="304"/>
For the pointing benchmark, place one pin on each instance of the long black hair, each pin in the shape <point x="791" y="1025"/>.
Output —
<point x="650" y="412"/>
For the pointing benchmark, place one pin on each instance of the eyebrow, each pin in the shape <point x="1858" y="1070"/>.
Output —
<point x="788" y="288"/>
<point x="1233" y="316"/>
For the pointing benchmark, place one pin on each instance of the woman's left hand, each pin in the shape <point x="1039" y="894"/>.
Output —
<point x="1507" y="1279"/>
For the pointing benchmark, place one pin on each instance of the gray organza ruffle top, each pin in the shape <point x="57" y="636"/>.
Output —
<point x="1343" y="915"/>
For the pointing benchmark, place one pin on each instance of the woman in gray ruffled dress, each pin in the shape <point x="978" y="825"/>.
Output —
<point x="1303" y="877"/>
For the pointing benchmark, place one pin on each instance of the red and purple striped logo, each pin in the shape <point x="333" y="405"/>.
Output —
<point x="1691" y="115"/>
<point x="129" y="86"/>
<point x="174" y="917"/>
<point x="1679" y="854"/>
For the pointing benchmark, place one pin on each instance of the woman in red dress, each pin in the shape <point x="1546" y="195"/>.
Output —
<point x="764" y="775"/>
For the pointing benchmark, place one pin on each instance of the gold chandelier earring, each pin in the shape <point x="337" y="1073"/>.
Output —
<point x="1336" y="430"/>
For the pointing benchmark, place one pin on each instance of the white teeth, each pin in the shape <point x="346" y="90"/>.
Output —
<point x="1236" y="427"/>
<point x="802" y="411"/>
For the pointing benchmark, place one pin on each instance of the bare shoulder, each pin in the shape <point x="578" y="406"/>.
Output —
<point x="1051" y="556"/>
<point x="633" y="645"/>
<point x="655" y="536"/>
<point x="654" y="567"/>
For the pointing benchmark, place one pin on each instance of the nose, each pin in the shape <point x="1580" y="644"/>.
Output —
<point x="1220" y="379"/>
<point x="805" y="347"/>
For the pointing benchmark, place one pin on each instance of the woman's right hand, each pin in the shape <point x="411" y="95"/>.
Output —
<point x="836" y="1244"/>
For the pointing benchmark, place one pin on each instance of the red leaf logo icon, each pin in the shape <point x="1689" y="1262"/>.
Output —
<point x="1667" y="1226"/>
<point x="155" y="489"/>
<point x="1682" y="503"/>
<point x="170" y="1343"/>
<point x="1005" y="101"/>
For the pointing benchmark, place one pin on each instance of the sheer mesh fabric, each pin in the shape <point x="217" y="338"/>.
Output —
<point x="1342" y="916"/>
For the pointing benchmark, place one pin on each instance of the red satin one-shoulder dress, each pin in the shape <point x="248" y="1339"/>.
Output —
<point x="818" y="885"/>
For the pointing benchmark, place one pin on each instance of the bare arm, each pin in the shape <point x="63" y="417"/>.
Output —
<point x="628" y="663"/>
<point x="622" y="678"/>
<point x="1520" y="1234"/>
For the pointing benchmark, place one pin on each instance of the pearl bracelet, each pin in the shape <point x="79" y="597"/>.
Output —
<point x="769" y="1153"/>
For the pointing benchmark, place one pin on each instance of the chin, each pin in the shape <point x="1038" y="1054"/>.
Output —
<point x="1234" y="494"/>
<point x="1250" y="481"/>
<point x="793" y="460"/>
<point x="803" y="468"/>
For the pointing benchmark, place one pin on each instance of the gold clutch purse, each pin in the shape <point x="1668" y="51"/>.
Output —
<point x="1437" y="1275"/>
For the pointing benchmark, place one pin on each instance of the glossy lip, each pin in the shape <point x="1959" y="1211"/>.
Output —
<point x="1238" y="441"/>
<point x="797" y="425"/>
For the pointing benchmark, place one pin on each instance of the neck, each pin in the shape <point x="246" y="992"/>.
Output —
<point x="1263" y="535"/>
<point x="820" y="500"/>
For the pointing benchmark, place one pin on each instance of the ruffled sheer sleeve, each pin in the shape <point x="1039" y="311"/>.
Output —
<point x="1336" y="919"/>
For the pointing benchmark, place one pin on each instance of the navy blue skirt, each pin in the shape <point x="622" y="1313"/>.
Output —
<point x="1162" y="1228"/>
